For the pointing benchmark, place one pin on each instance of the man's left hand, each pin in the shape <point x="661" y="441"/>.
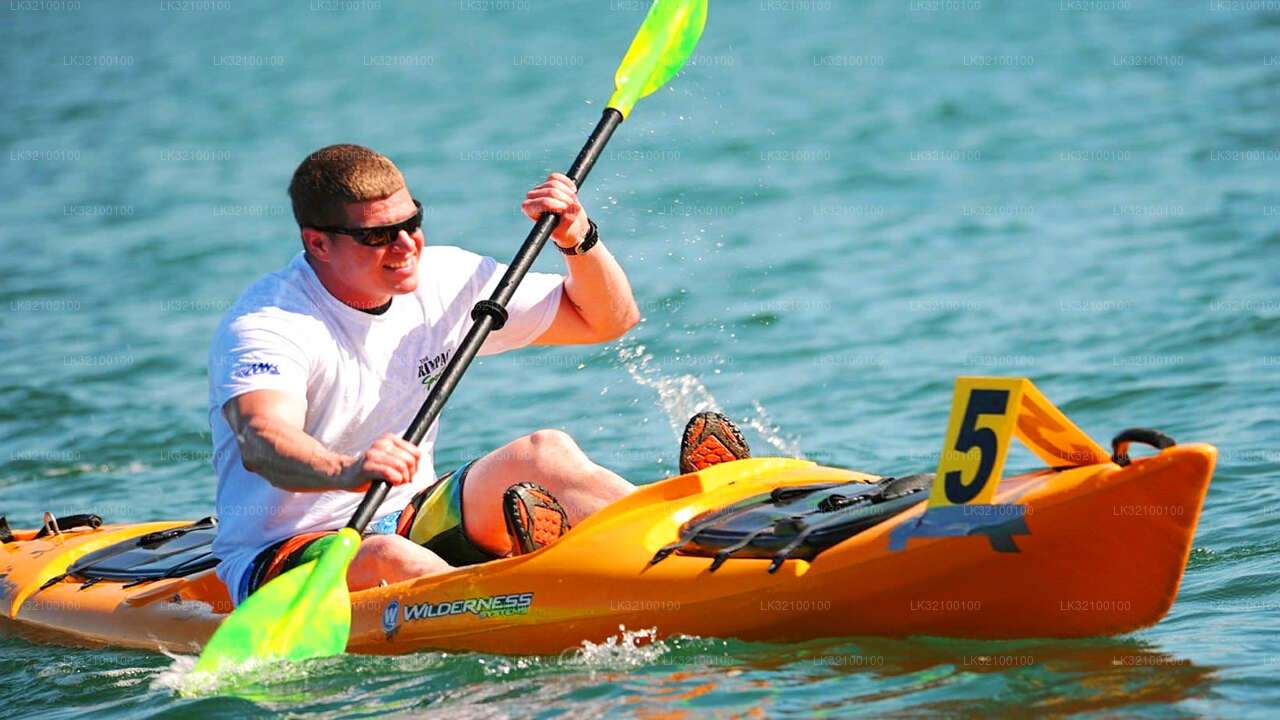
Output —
<point x="558" y="195"/>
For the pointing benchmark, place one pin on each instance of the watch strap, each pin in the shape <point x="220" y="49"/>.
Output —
<point x="588" y="242"/>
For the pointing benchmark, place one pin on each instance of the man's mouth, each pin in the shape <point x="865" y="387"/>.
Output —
<point x="399" y="265"/>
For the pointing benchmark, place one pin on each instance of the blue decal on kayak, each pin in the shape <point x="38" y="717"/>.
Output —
<point x="391" y="618"/>
<point x="998" y="522"/>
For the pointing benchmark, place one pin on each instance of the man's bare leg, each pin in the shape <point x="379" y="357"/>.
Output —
<point x="391" y="558"/>
<point x="549" y="458"/>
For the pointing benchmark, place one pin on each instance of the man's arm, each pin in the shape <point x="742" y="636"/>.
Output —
<point x="597" y="304"/>
<point x="268" y="428"/>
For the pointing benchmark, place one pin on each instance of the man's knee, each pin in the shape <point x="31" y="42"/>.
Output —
<point x="551" y="439"/>
<point x="394" y="551"/>
<point x="552" y="448"/>
<point x="380" y="546"/>
<point x="381" y="550"/>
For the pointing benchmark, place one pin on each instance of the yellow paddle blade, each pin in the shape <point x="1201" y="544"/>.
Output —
<point x="664" y="42"/>
<point x="304" y="613"/>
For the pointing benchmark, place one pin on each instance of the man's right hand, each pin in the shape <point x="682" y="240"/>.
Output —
<point x="390" y="458"/>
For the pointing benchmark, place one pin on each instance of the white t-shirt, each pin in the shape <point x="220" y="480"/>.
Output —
<point x="362" y="376"/>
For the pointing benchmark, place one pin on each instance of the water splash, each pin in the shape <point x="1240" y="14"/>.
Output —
<point x="496" y="666"/>
<point x="179" y="677"/>
<point x="267" y="679"/>
<point x="786" y="444"/>
<point x="629" y="648"/>
<point x="681" y="396"/>
<point x="182" y="678"/>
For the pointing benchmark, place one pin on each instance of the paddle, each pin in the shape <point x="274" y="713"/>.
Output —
<point x="306" y="612"/>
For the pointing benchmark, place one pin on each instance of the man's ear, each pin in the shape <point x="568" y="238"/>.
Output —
<point x="316" y="243"/>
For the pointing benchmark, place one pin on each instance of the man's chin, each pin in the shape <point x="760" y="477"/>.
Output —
<point x="404" y="287"/>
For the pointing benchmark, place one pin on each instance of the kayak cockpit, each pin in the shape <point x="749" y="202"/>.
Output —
<point x="160" y="555"/>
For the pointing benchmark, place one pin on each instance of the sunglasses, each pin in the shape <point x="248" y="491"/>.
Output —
<point x="382" y="234"/>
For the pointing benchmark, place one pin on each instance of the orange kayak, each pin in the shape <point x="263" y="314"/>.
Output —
<point x="1097" y="549"/>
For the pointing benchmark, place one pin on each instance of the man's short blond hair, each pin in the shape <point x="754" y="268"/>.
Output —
<point x="333" y="176"/>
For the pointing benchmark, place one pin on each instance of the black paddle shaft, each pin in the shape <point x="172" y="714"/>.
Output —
<point x="489" y="314"/>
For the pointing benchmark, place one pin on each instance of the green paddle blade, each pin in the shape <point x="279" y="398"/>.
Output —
<point x="665" y="41"/>
<point x="304" y="613"/>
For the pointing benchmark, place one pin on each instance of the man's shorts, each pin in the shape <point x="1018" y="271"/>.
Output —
<point x="433" y="519"/>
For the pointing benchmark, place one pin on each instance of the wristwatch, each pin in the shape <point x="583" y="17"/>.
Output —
<point x="588" y="242"/>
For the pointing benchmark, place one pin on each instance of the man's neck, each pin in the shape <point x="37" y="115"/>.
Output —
<point x="377" y="310"/>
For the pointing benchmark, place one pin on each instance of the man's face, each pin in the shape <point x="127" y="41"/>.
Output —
<point x="375" y="272"/>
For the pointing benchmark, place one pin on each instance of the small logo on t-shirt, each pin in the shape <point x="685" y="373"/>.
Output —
<point x="252" y="369"/>
<point x="430" y="368"/>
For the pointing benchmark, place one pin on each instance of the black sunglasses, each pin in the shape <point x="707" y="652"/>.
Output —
<point x="382" y="234"/>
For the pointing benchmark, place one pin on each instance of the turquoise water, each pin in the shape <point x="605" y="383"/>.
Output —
<point x="835" y="210"/>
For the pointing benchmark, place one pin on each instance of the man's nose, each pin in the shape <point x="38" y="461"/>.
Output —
<point x="405" y="242"/>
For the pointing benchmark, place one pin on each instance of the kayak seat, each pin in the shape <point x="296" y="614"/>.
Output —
<point x="795" y="522"/>
<point x="177" y="552"/>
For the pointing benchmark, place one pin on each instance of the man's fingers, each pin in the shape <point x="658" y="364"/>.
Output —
<point x="388" y="455"/>
<point x="535" y="208"/>
<point x="557" y="195"/>
<point x="399" y="446"/>
<point x="532" y="208"/>
<point x="406" y="461"/>
<point x="390" y="458"/>
<point x="535" y="212"/>
<point x="551" y="192"/>
<point x="403" y="444"/>
<point x="564" y="188"/>
<point x="563" y="180"/>
<point x="396" y="473"/>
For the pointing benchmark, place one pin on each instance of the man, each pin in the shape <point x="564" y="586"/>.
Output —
<point x="317" y="369"/>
